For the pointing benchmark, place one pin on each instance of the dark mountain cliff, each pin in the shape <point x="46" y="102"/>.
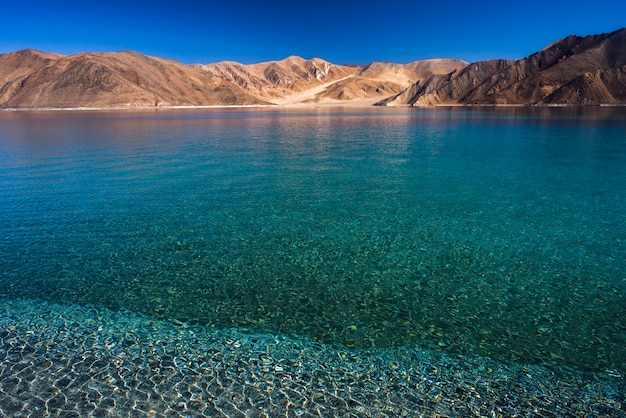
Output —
<point x="574" y="70"/>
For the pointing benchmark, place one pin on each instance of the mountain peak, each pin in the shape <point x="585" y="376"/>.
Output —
<point x="572" y="70"/>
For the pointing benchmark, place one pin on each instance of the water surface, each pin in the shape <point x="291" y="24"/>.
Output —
<point x="498" y="232"/>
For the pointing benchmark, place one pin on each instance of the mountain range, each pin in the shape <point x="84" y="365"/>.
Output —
<point x="572" y="71"/>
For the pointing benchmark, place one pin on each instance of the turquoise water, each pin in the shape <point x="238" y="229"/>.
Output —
<point x="497" y="232"/>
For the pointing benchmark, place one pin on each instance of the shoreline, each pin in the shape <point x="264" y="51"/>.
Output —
<point x="366" y="104"/>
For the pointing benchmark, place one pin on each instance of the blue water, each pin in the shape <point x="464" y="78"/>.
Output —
<point x="498" y="232"/>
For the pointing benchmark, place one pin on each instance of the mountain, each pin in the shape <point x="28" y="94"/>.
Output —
<point x="278" y="79"/>
<point x="382" y="79"/>
<point x="296" y="80"/>
<point x="35" y="79"/>
<point x="574" y="70"/>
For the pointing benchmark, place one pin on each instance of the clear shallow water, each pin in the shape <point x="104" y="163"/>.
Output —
<point x="474" y="231"/>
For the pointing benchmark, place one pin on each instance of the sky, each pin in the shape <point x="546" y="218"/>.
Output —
<point x="342" y="32"/>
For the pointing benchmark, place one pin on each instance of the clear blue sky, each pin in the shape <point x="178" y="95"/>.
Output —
<point x="339" y="31"/>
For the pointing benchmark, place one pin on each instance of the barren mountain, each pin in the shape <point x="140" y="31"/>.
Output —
<point x="574" y="70"/>
<point x="448" y="88"/>
<point x="34" y="79"/>
<point x="374" y="81"/>
<point x="411" y="72"/>
<point x="382" y="79"/>
<point x="22" y="63"/>
<point x="278" y="79"/>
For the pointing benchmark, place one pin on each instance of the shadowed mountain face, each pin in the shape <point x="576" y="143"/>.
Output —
<point x="574" y="70"/>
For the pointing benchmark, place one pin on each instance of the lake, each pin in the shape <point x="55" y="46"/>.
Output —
<point x="472" y="233"/>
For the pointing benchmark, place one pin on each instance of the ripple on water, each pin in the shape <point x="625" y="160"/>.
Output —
<point x="75" y="361"/>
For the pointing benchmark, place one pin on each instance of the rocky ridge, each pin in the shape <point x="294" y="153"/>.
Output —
<point x="277" y="79"/>
<point x="31" y="78"/>
<point x="575" y="70"/>
<point x="572" y="71"/>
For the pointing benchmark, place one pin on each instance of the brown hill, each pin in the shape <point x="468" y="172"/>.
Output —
<point x="604" y="86"/>
<point x="278" y="79"/>
<point x="356" y="88"/>
<point x="295" y="80"/>
<point x="382" y="79"/>
<point x="448" y="88"/>
<point x="412" y="72"/>
<point x="22" y="63"/>
<point x="575" y="70"/>
<point x="33" y="79"/>
<point x="36" y="79"/>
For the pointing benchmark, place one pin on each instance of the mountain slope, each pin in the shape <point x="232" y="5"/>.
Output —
<point x="369" y="83"/>
<point x="278" y="79"/>
<point x="411" y="72"/>
<point x="574" y="70"/>
<point x="382" y="79"/>
<point x="32" y="79"/>
<point x="449" y="88"/>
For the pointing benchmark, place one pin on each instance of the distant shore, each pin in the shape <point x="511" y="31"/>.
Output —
<point x="357" y="104"/>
